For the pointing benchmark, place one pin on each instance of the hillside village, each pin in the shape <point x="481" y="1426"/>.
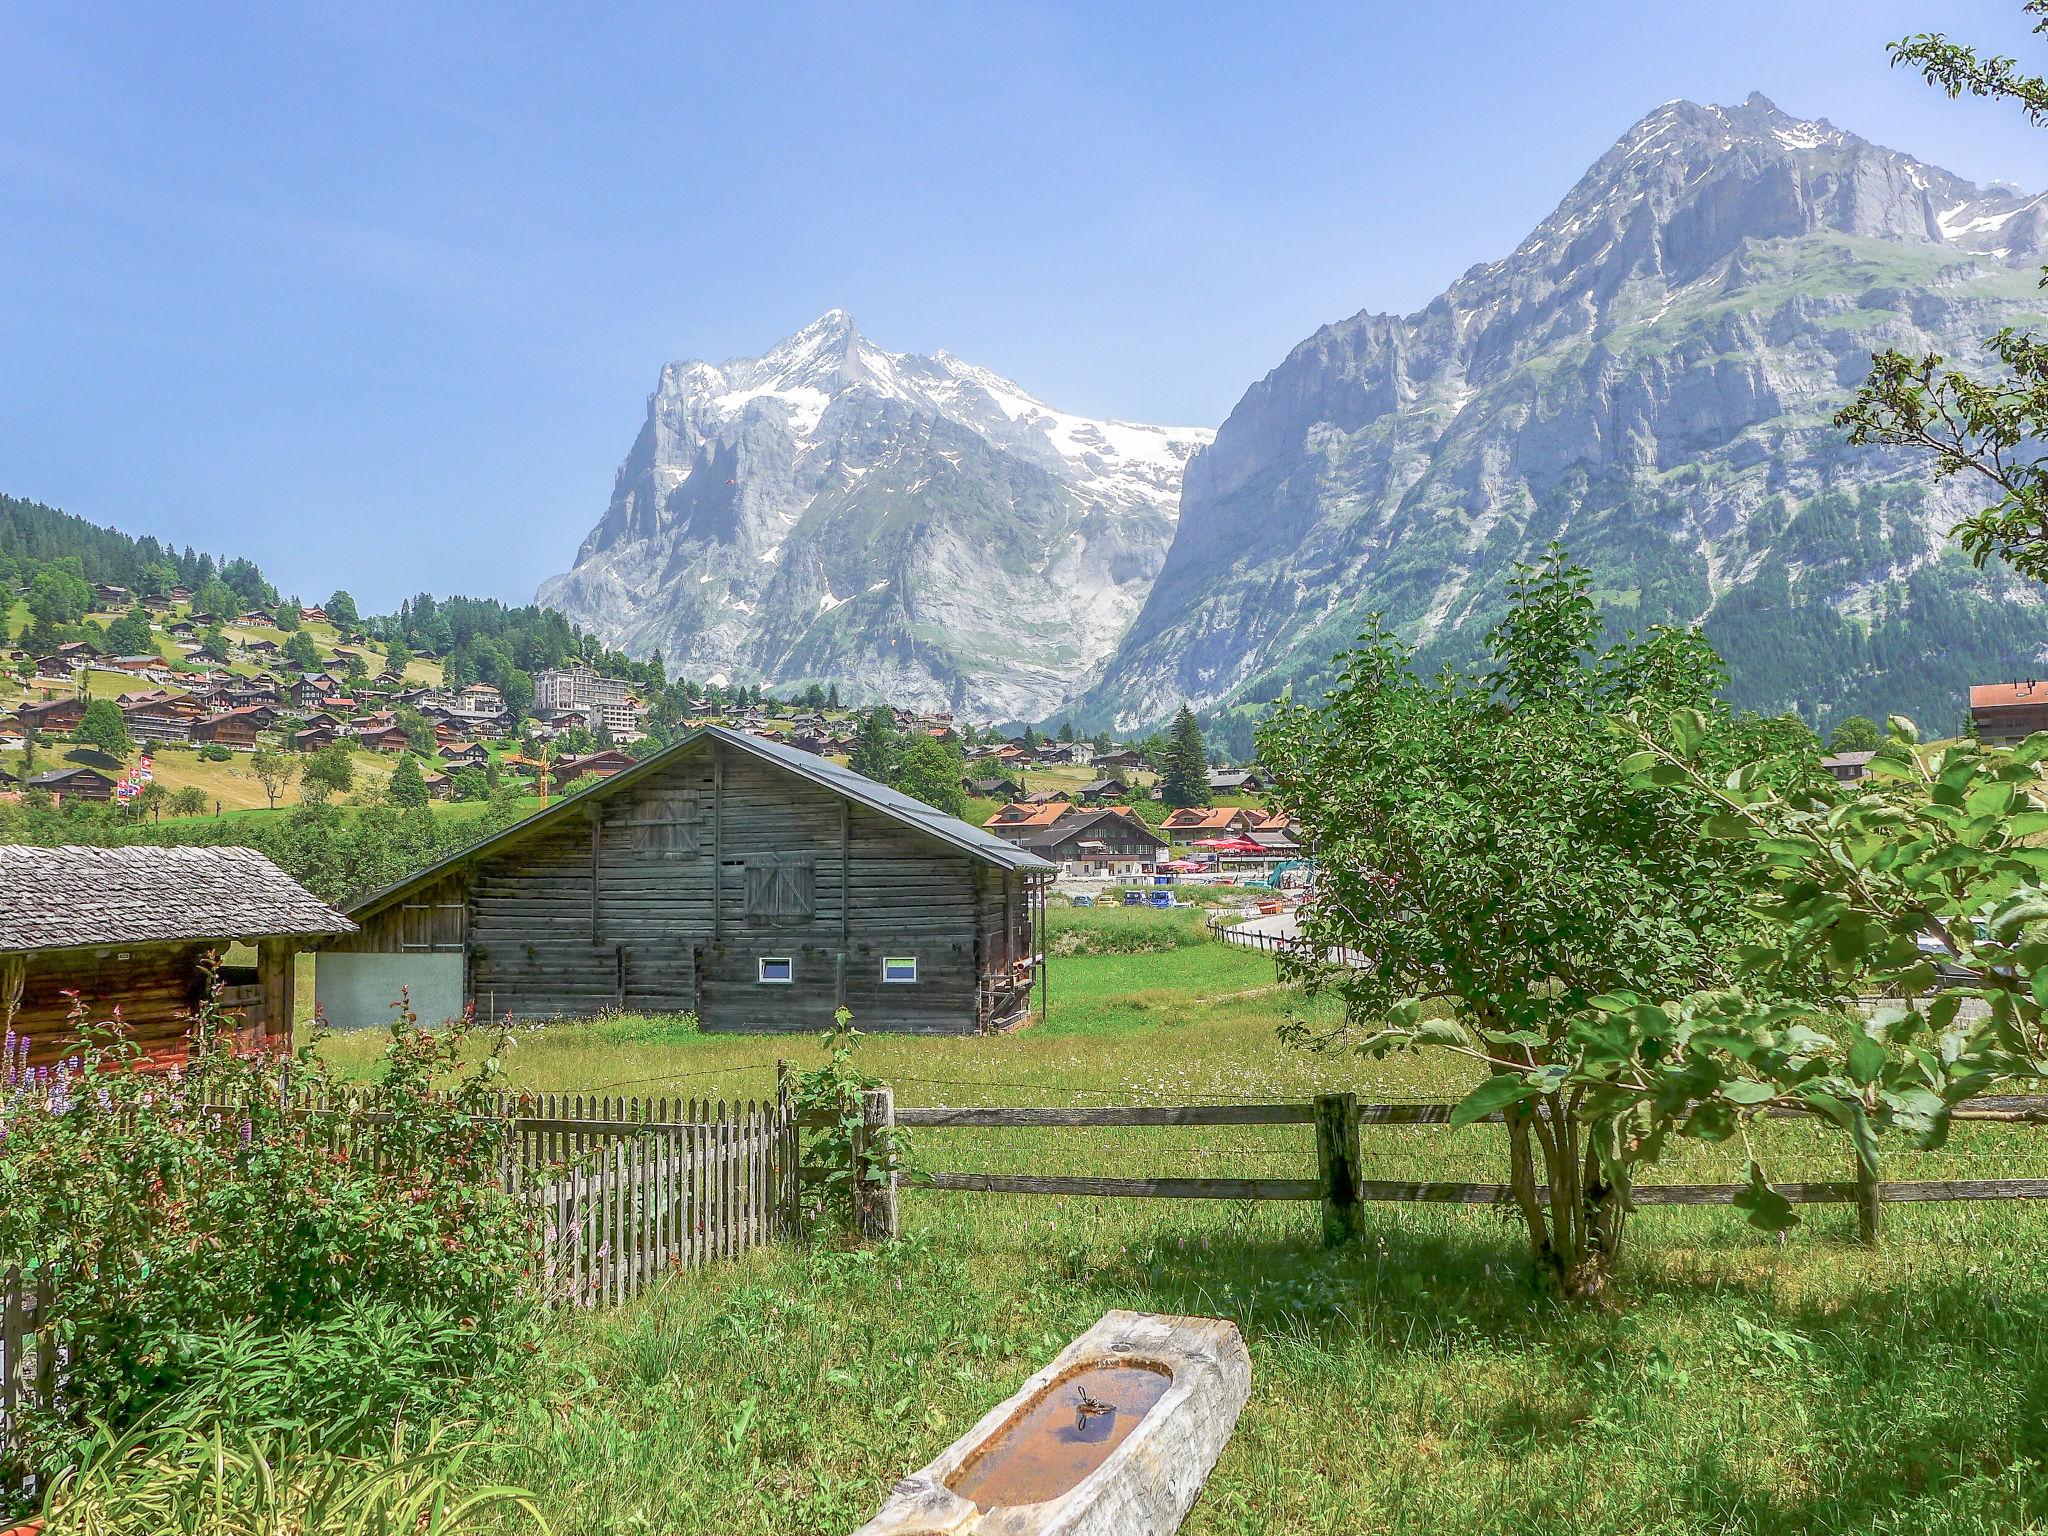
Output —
<point x="1466" y="951"/>
<point x="168" y="711"/>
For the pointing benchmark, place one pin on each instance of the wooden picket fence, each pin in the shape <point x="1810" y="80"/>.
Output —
<point x="630" y="1191"/>
<point x="627" y="1190"/>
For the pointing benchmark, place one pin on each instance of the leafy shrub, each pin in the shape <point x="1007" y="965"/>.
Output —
<point x="214" y="752"/>
<point x="206" y="1227"/>
<point x="854" y="1165"/>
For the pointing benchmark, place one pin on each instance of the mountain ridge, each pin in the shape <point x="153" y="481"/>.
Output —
<point x="1650" y="374"/>
<point x="914" y="528"/>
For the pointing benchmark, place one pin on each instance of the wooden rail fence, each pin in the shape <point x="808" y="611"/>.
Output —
<point x="1338" y="1182"/>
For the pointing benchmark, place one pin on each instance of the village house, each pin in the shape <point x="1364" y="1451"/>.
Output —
<point x="1264" y="850"/>
<point x="164" y="717"/>
<point x="51" y="717"/>
<point x="756" y="886"/>
<point x="479" y="699"/>
<point x="134" y="929"/>
<point x="992" y="789"/>
<point x="235" y="728"/>
<point x="1233" y="782"/>
<point x="1108" y="791"/>
<point x="473" y="754"/>
<point x="1106" y="843"/>
<point x="313" y="738"/>
<point x="591" y="764"/>
<point x="1211" y="821"/>
<point x="71" y="783"/>
<point x="1847" y="767"/>
<point x="2006" y="714"/>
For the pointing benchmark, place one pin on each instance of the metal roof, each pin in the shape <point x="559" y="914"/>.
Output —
<point x="70" y="898"/>
<point x="972" y="840"/>
<point x="897" y="806"/>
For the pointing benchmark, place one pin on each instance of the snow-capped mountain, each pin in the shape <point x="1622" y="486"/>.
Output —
<point x="915" y="529"/>
<point x="1649" y="377"/>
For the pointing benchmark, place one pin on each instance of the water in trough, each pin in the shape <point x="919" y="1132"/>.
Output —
<point x="1066" y="1432"/>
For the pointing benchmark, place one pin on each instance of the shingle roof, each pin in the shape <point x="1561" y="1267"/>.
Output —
<point x="61" y="898"/>
<point x="973" y="841"/>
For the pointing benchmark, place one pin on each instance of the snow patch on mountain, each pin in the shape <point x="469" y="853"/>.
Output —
<point x="1014" y="541"/>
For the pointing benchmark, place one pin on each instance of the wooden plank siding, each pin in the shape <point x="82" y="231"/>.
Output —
<point x="665" y="893"/>
<point x="155" y="988"/>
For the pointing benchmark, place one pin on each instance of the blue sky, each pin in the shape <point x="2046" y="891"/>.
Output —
<point x="375" y="293"/>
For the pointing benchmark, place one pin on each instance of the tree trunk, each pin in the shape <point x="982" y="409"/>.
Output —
<point x="1575" y="1224"/>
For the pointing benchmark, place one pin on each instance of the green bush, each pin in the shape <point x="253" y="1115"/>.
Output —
<point x="1124" y="930"/>
<point x="343" y="1268"/>
<point x="214" y="752"/>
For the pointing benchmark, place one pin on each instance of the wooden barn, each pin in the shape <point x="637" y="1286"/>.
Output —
<point x="133" y="929"/>
<point x="755" y="885"/>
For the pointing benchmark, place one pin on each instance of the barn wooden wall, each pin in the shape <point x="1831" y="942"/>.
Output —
<point x="639" y="901"/>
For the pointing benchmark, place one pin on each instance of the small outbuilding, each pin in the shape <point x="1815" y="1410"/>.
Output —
<point x="135" y="929"/>
<point x="753" y="884"/>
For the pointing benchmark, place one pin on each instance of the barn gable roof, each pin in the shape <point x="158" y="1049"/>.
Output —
<point x="985" y="847"/>
<point x="70" y="898"/>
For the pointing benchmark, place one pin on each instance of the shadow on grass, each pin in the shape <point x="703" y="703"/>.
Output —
<point x="1814" y="1388"/>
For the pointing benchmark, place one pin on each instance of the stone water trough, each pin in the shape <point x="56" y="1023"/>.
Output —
<point x="1114" y="1438"/>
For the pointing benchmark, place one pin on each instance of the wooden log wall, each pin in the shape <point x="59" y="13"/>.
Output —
<point x="646" y="899"/>
<point x="156" y="988"/>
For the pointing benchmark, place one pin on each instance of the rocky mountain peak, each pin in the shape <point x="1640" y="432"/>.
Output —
<point x="1650" y="374"/>
<point x="913" y="528"/>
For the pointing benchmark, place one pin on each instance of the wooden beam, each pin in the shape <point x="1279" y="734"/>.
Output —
<point x="1143" y="1189"/>
<point x="717" y="840"/>
<point x="277" y="976"/>
<point x="596" y="862"/>
<point x="936" y="1117"/>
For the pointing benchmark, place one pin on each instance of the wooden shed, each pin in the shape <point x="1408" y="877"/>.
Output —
<point x="133" y="929"/>
<point x="755" y="885"/>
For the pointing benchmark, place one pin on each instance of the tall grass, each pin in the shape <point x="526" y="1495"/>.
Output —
<point x="1413" y="1382"/>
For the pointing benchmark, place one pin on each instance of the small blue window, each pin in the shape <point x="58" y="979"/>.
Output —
<point x="900" y="968"/>
<point x="777" y="970"/>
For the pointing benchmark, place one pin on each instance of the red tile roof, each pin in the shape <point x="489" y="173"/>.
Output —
<point x="2008" y="695"/>
<point x="1029" y="815"/>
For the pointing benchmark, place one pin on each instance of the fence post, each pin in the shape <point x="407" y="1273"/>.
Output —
<point x="1869" y="1204"/>
<point x="788" y="1148"/>
<point x="1337" y="1165"/>
<point x="875" y="1202"/>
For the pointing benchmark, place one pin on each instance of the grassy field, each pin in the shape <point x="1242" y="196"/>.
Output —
<point x="1414" y="1382"/>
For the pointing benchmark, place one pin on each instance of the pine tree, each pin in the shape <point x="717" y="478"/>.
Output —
<point x="407" y="787"/>
<point x="1186" y="777"/>
<point x="875" y="746"/>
